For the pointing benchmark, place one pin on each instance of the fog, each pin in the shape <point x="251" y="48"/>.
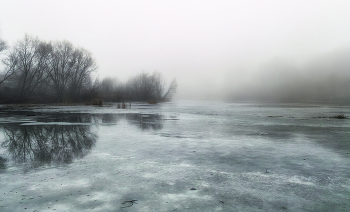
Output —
<point x="216" y="50"/>
<point x="325" y="77"/>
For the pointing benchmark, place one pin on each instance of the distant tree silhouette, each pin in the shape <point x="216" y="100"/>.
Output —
<point x="3" y="45"/>
<point x="41" y="72"/>
<point x="27" y="63"/>
<point x="4" y="74"/>
<point x="70" y="70"/>
<point x="170" y="92"/>
<point x="36" y="69"/>
<point x="149" y="87"/>
<point x="111" y="89"/>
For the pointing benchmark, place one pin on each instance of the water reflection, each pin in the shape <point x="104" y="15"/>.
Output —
<point x="146" y="121"/>
<point x="58" y="138"/>
<point x="142" y="121"/>
<point x="47" y="144"/>
<point x="2" y="164"/>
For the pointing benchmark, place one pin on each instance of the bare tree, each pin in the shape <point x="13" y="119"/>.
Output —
<point x="3" y="45"/>
<point x="108" y="84"/>
<point x="91" y="90"/>
<point x="70" y="70"/>
<point x="34" y="68"/>
<point x="27" y="62"/>
<point x="171" y="91"/>
<point x="108" y="88"/>
<point x="61" y="66"/>
<point x="10" y="63"/>
<point x="7" y="72"/>
<point x="139" y="87"/>
<point x="158" y="84"/>
<point x="113" y="90"/>
<point x="80" y="74"/>
<point x="146" y="87"/>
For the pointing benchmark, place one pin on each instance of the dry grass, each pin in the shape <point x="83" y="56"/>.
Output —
<point x="95" y="101"/>
<point x="64" y="104"/>
<point x="153" y="102"/>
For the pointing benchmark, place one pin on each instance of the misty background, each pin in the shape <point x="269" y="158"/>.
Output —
<point x="216" y="50"/>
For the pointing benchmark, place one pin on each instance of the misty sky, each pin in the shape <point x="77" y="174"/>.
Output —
<point x="206" y="45"/>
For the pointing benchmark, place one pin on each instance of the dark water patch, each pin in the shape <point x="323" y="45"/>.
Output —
<point x="59" y="138"/>
<point x="334" y="137"/>
<point x="37" y="145"/>
<point x="143" y="121"/>
<point x="170" y="135"/>
<point x="3" y="162"/>
<point x="341" y="116"/>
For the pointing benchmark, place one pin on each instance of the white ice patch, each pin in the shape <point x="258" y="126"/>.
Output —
<point x="57" y="207"/>
<point x="300" y="180"/>
<point x="184" y="165"/>
<point x="103" y="155"/>
<point x="57" y="186"/>
<point x="98" y="196"/>
<point x="186" y="196"/>
<point x="279" y="179"/>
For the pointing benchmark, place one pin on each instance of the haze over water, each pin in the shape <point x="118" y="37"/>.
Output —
<point x="232" y="50"/>
<point x="259" y="122"/>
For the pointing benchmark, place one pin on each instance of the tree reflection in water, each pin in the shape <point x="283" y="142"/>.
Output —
<point x="48" y="144"/>
<point x="51" y="143"/>
<point x="146" y="121"/>
<point x="142" y="121"/>
<point x="2" y="164"/>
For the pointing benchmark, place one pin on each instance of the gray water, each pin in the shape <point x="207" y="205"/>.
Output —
<point x="178" y="156"/>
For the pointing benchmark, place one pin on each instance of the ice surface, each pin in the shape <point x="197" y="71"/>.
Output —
<point x="179" y="156"/>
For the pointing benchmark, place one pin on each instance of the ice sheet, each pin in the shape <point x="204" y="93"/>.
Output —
<point x="180" y="156"/>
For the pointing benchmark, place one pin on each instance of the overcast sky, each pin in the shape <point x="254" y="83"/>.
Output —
<point x="199" y="43"/>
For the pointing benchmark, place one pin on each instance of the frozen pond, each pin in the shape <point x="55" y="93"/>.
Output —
<point x="178" y="156"/>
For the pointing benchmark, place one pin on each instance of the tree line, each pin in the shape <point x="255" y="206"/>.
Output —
<point x="36" y="71"/>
